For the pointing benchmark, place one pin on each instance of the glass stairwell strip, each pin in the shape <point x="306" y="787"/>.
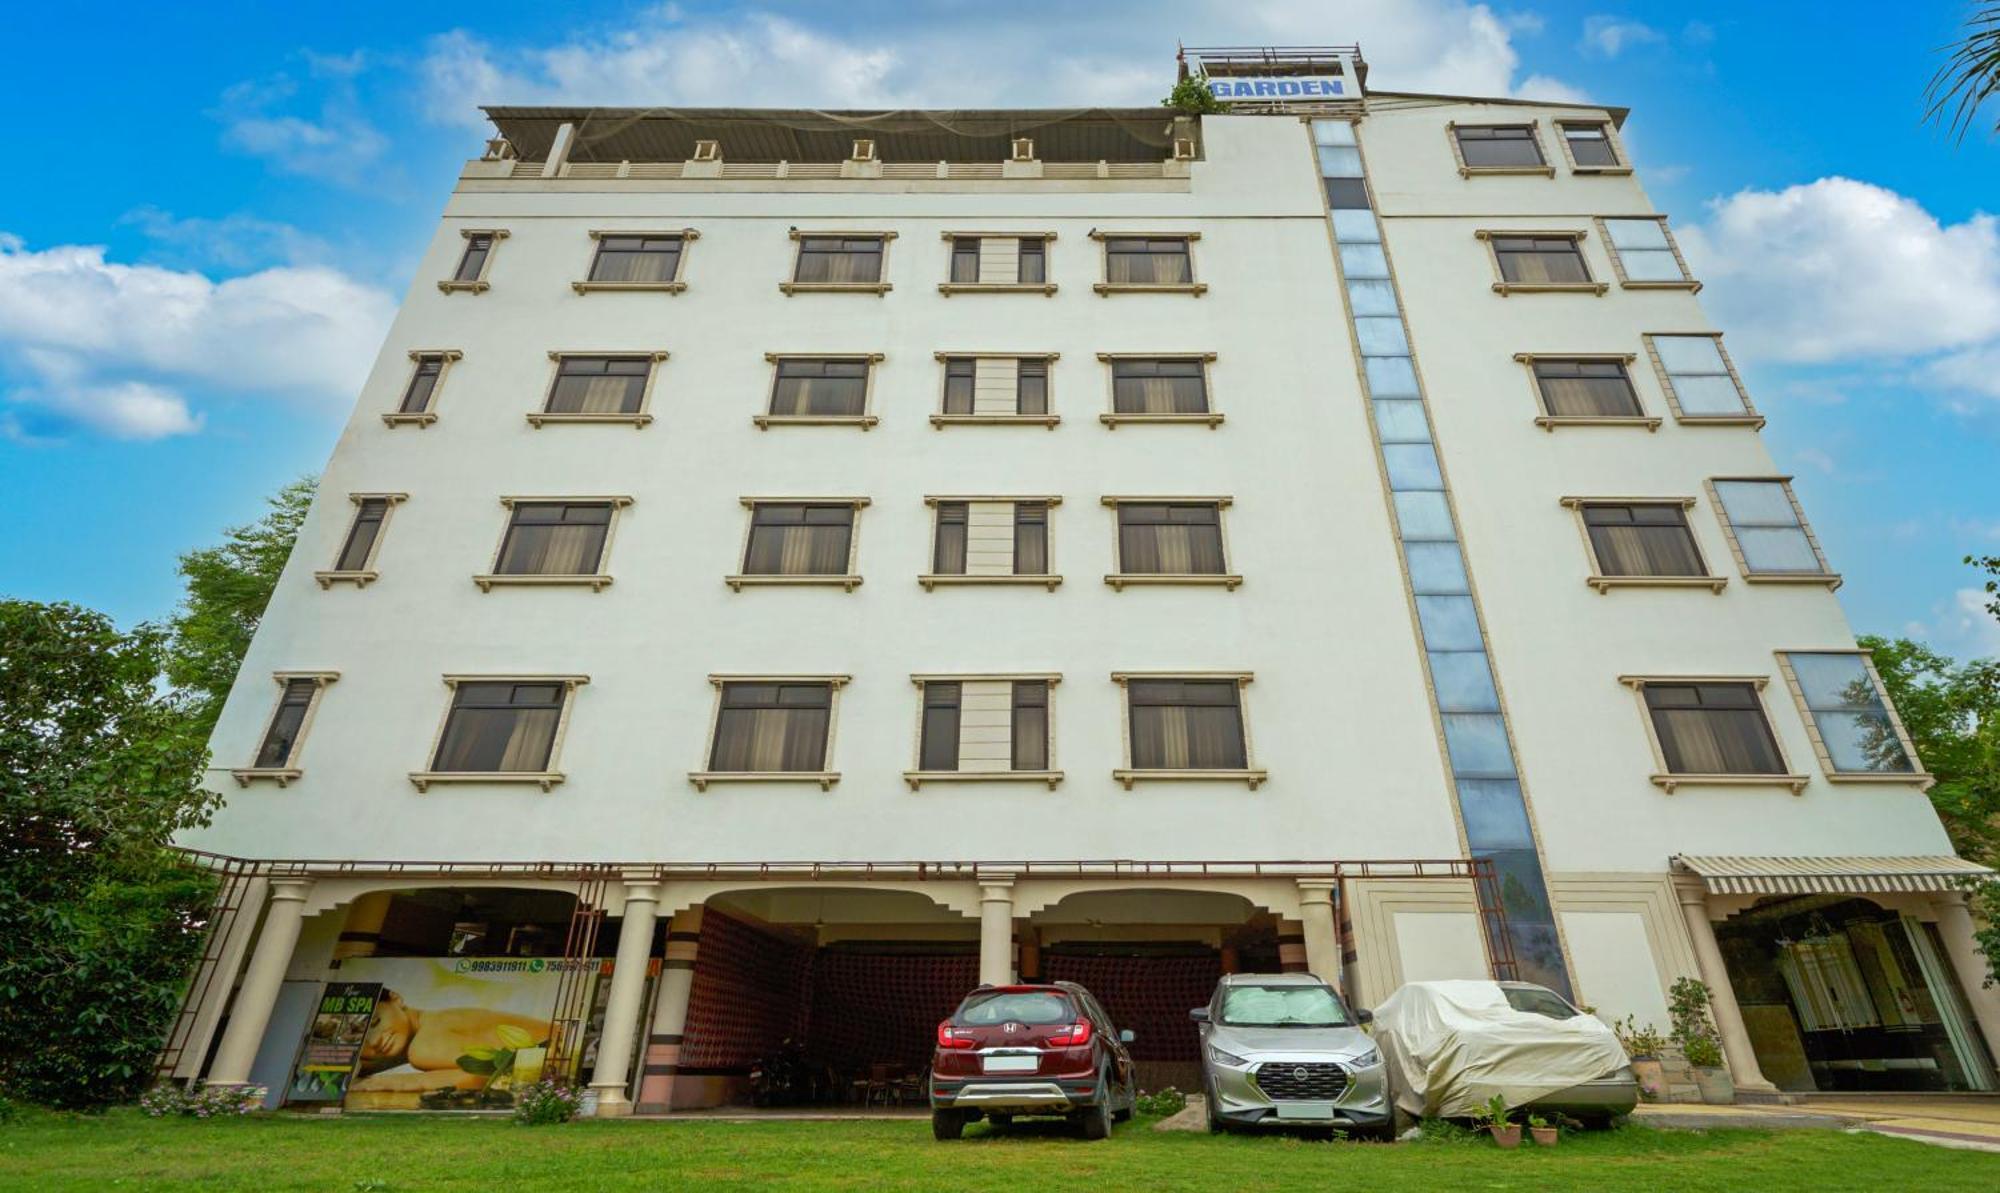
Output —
<point x="1478" y="743"/>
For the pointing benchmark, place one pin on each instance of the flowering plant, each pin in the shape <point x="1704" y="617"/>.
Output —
<point x="545" y="1102"/>
<point x="202" y="1101"/>
<point x="1161" y="1102"/>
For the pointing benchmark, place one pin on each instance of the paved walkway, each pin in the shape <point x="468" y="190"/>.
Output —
<point x="1966" y="1122"/>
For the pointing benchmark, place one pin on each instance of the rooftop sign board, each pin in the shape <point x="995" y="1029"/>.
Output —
<point x="1300" y="88"/>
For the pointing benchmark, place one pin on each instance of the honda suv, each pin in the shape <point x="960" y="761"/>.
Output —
<point x="1031" y="1050"/>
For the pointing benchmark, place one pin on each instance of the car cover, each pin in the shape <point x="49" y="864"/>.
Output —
<point x="1451" y="1046"/>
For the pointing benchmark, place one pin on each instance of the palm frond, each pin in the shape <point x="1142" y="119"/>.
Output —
<point x="1971" y="76"/>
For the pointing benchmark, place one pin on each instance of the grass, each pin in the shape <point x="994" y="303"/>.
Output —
<point x="125" y="1150"/>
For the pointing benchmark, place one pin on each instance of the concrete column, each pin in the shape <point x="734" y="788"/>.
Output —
<point x="1955" y="926"/>
<point x="565" y="139"/>
<point x="1291" y="947"/>
<point x="213" y="982"/>
<point x="1322" y="936"/>
<point x="996" y="932"/>
<point x="259" y="992"/>
<point x="621" y="1008"/>
<point x="670" y="1013"/>
<point x="1736" y="1048"/>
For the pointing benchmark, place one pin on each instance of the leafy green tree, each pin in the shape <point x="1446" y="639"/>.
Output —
<point x="1971" y="75"/>
<point x="1952" y="712"/>
<point x="1192" y="96"/>
<point x="228" y="587"/>
<point x="99" y="919"/>
<point x="1990" y="564"/>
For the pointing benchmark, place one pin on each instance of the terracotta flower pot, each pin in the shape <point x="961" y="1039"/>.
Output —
<point x="1544" y="1136"/>
<point x="1508" y="1135"/>
<point x="1651" y="1075"/>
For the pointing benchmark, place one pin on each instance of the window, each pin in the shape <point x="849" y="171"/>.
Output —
<point x="1159" y="389"/>
<point x="554" y="542"/>
<point x="1165" y="541"/>
<point x="1641" y="543"/>
<point x="998" y="262"/>
<point x="426" y="375"/>
<point x="355" y="563"/>
<point x="278" y="754"/>
<point x="800" y="542"/>
<point x="600" y="389"/>
<point x="1591" y="148"/>
<point x="820" y="390"/>
<point x="1711" y="730"/>
<point x="501" y="728"/>
<point x="965" y="260"/>
<point x="637" y="261"/>
<point x="1585" y="389"/>
<point x="1645" y="256"/>
<point x="1768" y="532"/>
<point x="1854" y="731"/>
<point x="983" y="728"/>
<point x="1149" y="261"/>
<point x="995" y="388"/>
<point x="1700" y="382"/>
<point x="990" y="540"/>
<point x="1185" y="726"/>
<point x="1535" y="261"/>
<point x="1498" y="149"/>
<point x="1340" y="169"/>
<point x="771" y="728"/>
<point x="470" y="275"/>
<point x="839" y="261"/>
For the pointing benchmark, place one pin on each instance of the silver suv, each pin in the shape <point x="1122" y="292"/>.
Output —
<point x="1282" y="1050"/>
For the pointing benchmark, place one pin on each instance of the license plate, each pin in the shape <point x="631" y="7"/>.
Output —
<point x="1320" y="1111"/>
<point x="1009" y="1064"/>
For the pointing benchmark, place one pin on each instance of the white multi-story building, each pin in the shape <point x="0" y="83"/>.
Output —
<point x="823" y="560"/>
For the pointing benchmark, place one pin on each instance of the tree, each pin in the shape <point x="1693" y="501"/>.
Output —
<point x="1952" y="713"/>
<point x="1991" y="565"/>
<point x="1192" y="96"/>
<point x="1971" y="76"/>
<point x="100" y="921"/>
<point x="228" y="587"/>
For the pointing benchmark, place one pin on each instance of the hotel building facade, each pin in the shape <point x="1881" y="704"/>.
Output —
<point x="787" y="567"/>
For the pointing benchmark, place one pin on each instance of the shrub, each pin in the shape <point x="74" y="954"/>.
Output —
<point x="1192" y="96"/>
<point x="1693" y="1030"/>
<point x="202" y="1101"/>
<point x="1161" y="1102"/>
<point x="1639" y="1041"/>
<point x="545" y="1102"/>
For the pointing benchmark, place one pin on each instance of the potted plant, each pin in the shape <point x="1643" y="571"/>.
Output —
<point x="1694" y="1031"/>
<point x="1493" y="1117"/>
<point x="1643" y="1046"/>
<point x="1543" y="1130"/>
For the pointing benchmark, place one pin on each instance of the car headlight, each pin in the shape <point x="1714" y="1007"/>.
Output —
<point x="1368" y="1059"/>
<point x="1226" y="1058"/>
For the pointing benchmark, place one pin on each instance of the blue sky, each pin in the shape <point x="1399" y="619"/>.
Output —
<point x="208" y="231"/>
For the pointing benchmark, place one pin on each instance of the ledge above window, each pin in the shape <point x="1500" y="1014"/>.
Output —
<point x="636" y="420"/>
<point x="1668" y="782"/>
<point x="1195" y="288"/>
<point x="1549" y="422"/>
<point x="740" y="582"/>
<point x="359" y="578"/>
<point x="766" y="421"/>
<point x="488" y="582"/>
<point x="917" y="778"/>
<point x="931" y="580"/>
<point x="423" y="779"/>
<point x="950" y="288"/>
<point x="281" y="775"/>
<point x="660" y="287"/>
<point x="1122" y="580"/>
<point x="941" y="421"/>
<point x="1251" y="776"/>
<point x="702" y="778"/>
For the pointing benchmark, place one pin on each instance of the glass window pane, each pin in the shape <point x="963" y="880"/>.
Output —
<point x="1337" y="162"/>
<point x="1708" y="395"/>
<point x="1689" y="354"/>
<point x="1363" y="261"/>
<point x="1333" y="132"/>
<point x="1751" y="503"/>
<point x="1495" y="815"/>
<point x="1371" y="296"/>
<point x="1637" y="234"/>
<point x="1401" y="420"/>
<point x="1412" y="466"/>
<point x="1344" y="194"/>
<point x="1477" y="743"/>
<point x="1463" y="681"/>
<point x="1862" y="742"/>
<point x="1356" y="227"/>
<point x="1435" y="567"/>
<point x="1449" y="623"/>
<point x="1777" y="549"/>
<point x="1651" y="265"/>
<point x="1391" y="377"/>
<point x="1834" y="681"/>
<point x="1423" y="516"/>
<point x="1381" y="336"/>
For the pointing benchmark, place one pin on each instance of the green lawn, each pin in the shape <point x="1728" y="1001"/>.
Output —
<point x="126" y="1150"/>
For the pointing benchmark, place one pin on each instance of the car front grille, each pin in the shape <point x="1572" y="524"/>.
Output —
<point x="1313" y="1081"/>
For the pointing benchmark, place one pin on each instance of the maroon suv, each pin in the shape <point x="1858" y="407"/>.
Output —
<point x="1031" y="1050"/>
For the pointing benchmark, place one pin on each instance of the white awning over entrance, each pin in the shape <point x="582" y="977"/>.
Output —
<point x="1819" y="875"/>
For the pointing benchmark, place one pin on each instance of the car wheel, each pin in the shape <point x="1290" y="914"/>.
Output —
<point x="1124" y="1113"/>
<point x="947" y="1124"/>
<point x="1096" y="1122"/>
<point x="1209" y="1116"/>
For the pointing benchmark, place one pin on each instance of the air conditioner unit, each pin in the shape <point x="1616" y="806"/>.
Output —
<point x="707" y="151"/>
<point x="864" y="151"/>
<point x="1183" y="149"/>
<point x="1024" y="149"/>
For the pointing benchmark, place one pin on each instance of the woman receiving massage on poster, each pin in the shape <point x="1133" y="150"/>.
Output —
<point x="431" y="1043"/>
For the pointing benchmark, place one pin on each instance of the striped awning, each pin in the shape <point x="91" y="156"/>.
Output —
<point x="1820" y="875"/>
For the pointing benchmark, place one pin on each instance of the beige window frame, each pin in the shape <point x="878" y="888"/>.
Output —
<point x="1826" y="577"/>
<point x="1211" y="418"/>
<point x="1120" y="580"/>
<point x="480" y="284"/>
<point x="847" y="582"/>
<point x="1749" y="418"/>
<point x="1687" y="280"/>
<point x="283" y="775"/>
<point x="638" y="419"/>
<point x="948" y="287"/>
<point x="941" y="420"/>
<point x="366" y="574"/>
<point x="1549" y="422"/>
<point x="674" y="285"/>
<point x="1611" y="138"/>
<point x="1605" y="583"/>
<point x="1049" y="580"/>
<point x="878" y="287"/>
<point x="1193" y="286"/>
<point x="825" y="777"/>
<point x="1127" y="774"/>
<point x="1669" y="781"/>
<point x="1534" y="127"/>
<point x="1916" y="774"/>
<point x="428" y="415"/>
<point x="546" y="779"/>
<point x="595" y="581"/>
<point x="916" y="776"/>
<point x="765" y="420"/>
<point x="1503" y="287"/>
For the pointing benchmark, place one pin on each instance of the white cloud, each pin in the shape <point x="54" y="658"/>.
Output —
<point x="121" y="409"/>
<point x="234" y="242"/>
<point x="1844" y="270"/>
<point x="337" y="144"/>
<point x="1608" y="37"/>
<point x="1969" y="626"/>
<point x="1975" y="370"/>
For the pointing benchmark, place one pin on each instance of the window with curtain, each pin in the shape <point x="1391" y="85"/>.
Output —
<point x="1179" y="539"/>
<point x="1850" y="712"/>
<point x="281" y="739"/>
<point x="1498" y="147"/>
<point x="839" y="260"/>
<point x="1031" y="724"/>
<point x="772" y="727"/>
<point x="1034" y="261"/>
<point x="1541" y="260"/>
<point x="501" y="726"/>
<point x="939" y="748"/>
<point x="359" y="548"/>
<point x="1712" y="729"/>
<point x="1031" y="538"/>
<point x="423" y="384"/>
<point x="1590" y="144"/>
<point x="965" y="259"/>
<point x="948" y="559"/>
<point x="820" y="387"/>
<point x="1644" y="251"/>
<point x="554" y="538"/>
<point x="1147" y="261"/>
<point x="1699" y="376"/>
<point x="1642" y="539"/>
<point x="1767" y="527"/>
<point x="637" y="259"/>
<point x="1031" y="385"/>
<point x="1586" y="389"/>
<point x="799" y="540"/>
<point x="1158" y="386"/>
<point x="600" y="385"/>
<point x="1186" y="724"/>
<point x="472" y="264"/>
